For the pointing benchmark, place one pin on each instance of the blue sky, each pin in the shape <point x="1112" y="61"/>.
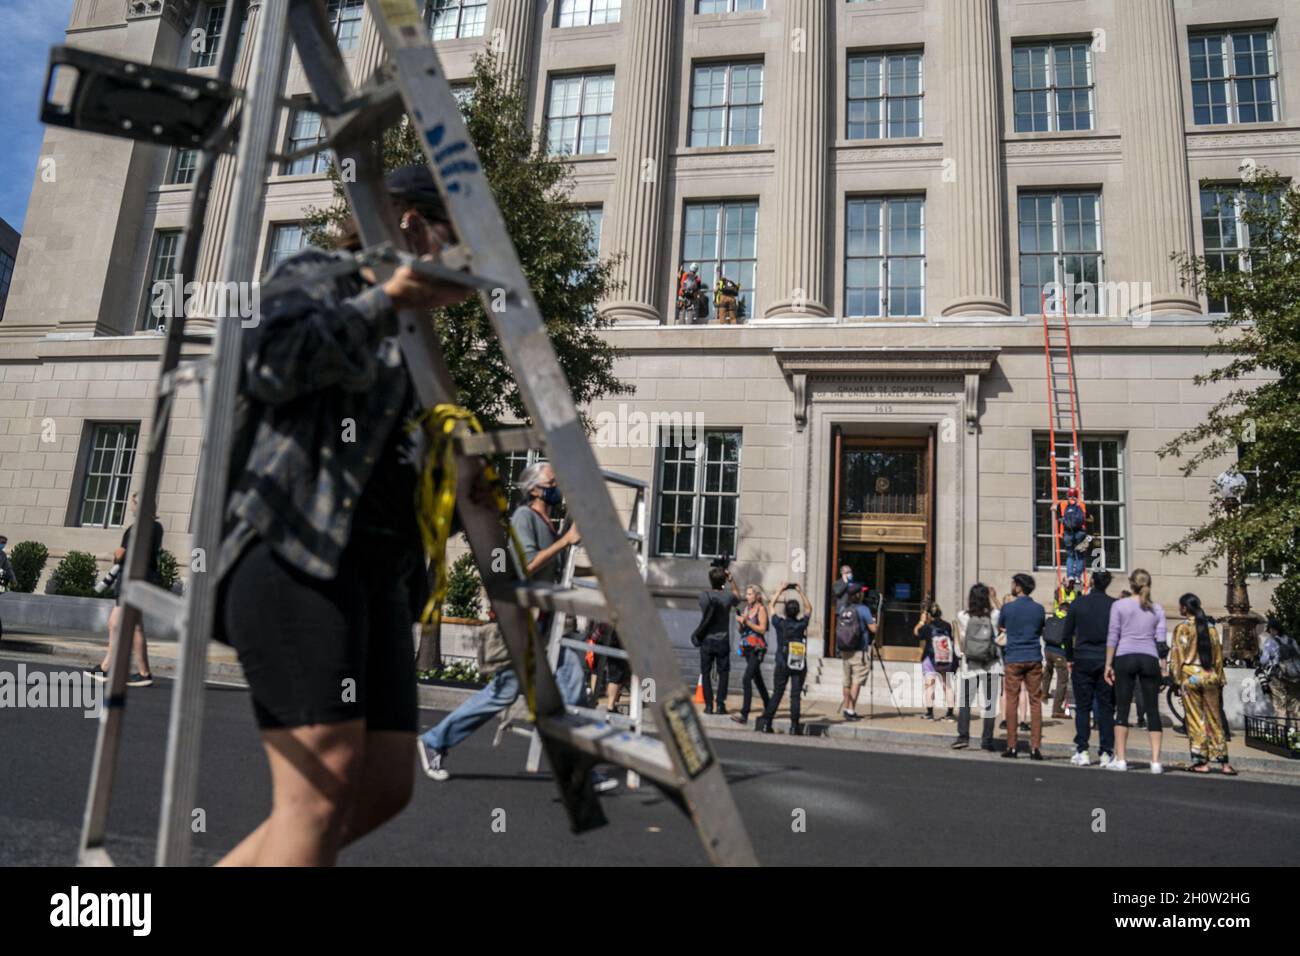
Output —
<point x="28" y="28"/>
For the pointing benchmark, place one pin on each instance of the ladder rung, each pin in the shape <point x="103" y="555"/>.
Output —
<point x="186" y="373"/>
<point x="589" y="648"/>
<point x="580" y="602"/>
<point x="500" y="442"/>
<point x="645" y="755"/>
<point x="151" y="599"/>
<point x="614" y="478"/>
<point x="609" y="717"/>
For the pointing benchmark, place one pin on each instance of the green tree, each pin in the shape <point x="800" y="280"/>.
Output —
<point x="1258" y="419"/>
<point x="533" y="189"/>
<point x="463" y="599"/>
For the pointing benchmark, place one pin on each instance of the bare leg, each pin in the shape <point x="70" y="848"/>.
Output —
<point x="1156" y="738"/>
<point x="114" y="620"/>
<point x="141" y="650"/>
<point x="1121" y="743"/>
<point x="387" y="776"/>
<point x="314" y="775"/>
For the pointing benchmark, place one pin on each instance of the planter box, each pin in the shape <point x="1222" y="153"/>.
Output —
<point x="59" y="614"/>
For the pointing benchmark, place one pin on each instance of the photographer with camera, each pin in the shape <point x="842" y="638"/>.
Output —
<point x="791" y="656"/>
<point x="713" y="634"/>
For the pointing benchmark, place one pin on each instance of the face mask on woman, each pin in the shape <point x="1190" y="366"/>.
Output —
<point x="551" y="496"/>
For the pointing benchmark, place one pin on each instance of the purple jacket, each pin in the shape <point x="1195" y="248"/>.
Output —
<point x="1135" y="631"/>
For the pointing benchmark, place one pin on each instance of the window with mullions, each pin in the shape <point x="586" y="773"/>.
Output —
<point x="510" y="466"/>
<point x="885" y="95"/>
<point x="345" y="20"/>
<point x="457" y="19"/>
<point x="884" y="268"/>
<point x="587" y="13"/>
<point x="106" y="481"/>
<point x="722" y="238"/>
<point x="287" y="239"/>
<point x="1234" y="77"/>
<point x="1226" y="232"/>
<point x="579" y="114"/>
<point x="728" y="6"/>
<point x="1254" y="477"/>
<point x="1060" y="248"/>
<point x="209" y="42"/>
<point x="6" y="276"/>
<point x="1103" y="495"/>
<point x="727" y="104"/>
<point x="594" y="217"/>
<point x="163" y="265"/>
<point x="185" y="164"/>
<point x="1052" y="86"/>
<point x="305" y="131"/>
<point x="697" y="507"/>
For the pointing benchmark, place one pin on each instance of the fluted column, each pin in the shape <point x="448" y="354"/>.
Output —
<point x="223" y="180"/>
<point x="973" y="142"/>
<point x="800" y="262"/>
<point x="641" y="107"/>
<point x="370" y="51"/>
<point x="510" y="37"/>
<point x="1155" y="155"/>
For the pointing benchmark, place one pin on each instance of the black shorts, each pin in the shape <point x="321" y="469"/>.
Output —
<point x="324" y="652"/>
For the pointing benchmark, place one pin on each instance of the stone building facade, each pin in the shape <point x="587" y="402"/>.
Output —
<point x="892" y="182"/>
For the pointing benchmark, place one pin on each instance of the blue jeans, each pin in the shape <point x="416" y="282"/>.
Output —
<point x="499" y="694"/>
<point x="1075" y="561"/>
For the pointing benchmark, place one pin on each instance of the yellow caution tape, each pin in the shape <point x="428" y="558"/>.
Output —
<point x="435" y="505"/>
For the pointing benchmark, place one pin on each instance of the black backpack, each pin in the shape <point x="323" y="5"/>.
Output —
<point x="848" y="629"/>
<point x="1073" y="518"/>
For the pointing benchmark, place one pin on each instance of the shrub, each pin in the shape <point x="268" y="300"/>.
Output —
<point x="1286" y="604"/>
<point x="75" y="575"/>
<point x="28" y="559"/>
<point x="168" y="570"/>
<point x="463" y="589"/>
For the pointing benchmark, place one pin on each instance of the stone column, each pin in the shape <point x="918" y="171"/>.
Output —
<point x="223" y="180"/>
<point x="973" y="141"/>
<point x="800" y="259"/>
<point x="370" y="51"/>
<point x="1158" y="206"/>
<point x="510" y="37"/>
<point x="636" y="221"/>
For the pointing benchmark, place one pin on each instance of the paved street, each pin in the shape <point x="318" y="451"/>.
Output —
<point x="892" y="808"/>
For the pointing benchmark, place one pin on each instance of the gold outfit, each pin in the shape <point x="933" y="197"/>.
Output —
<point x="1201" y="688"/>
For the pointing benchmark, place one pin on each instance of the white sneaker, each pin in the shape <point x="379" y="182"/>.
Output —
<point x="1104" y="760"/>
<point x="1157" y="768"/>
<point x="1120" y="765"/>
<point x="1081" y="759"/>
<point x="431" y="761"/>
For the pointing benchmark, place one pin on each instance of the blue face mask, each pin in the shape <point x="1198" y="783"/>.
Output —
<point x="552" y="496"/>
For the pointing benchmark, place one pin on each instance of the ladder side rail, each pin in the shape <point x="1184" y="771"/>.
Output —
<point x="1051" y="441"/>
<point x="135" y="566"/>
<point x="1075" y="446"/>
<point x="260" y="115"/>
<point x="545" y="395"/>
<point x="323" y="64"/>
<point x="554" y="648"/>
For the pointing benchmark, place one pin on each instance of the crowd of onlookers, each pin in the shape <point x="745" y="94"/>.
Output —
<point x="1007" y="656"/>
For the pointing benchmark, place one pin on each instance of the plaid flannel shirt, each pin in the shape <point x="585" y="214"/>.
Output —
<point x="322" y="365"/>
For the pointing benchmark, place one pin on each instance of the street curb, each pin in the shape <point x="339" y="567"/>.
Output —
<point x="443" y="698"/>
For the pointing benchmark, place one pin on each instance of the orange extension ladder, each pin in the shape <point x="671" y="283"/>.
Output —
<point x="1062" y="424"/>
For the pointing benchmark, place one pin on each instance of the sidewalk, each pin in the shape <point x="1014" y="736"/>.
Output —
<point x="820" y="716"/>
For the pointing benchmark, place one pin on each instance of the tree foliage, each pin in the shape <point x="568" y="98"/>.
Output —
<point x="533" y="189"/>
<point x="1258" y="418"/>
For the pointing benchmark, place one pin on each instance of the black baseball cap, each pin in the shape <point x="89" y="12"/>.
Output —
<point x="415" y="185"/>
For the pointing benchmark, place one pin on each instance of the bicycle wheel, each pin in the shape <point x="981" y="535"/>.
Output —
<point x="1174" y="699"/>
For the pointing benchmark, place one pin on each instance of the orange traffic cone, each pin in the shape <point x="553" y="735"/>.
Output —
<point x="699" y="689"/>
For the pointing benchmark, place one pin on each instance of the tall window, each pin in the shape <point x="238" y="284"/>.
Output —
<point x="594" y="217"/>
<point x="727" y="104"/>
<point x="454" y="19"/>
<point x="164" y="263"/>
<point x="728" y="6"/>
<point x="345" y="19"/>
<point x="1234" y="77"/>
<point x="106" y="481"/>
<point x="185" y="163"/>
<point x="884" y="271"/>
<point x="464" y="93"/>
<point x="1053" y="86"/>
<point x="1060" y="242"/>
<point x="579" y="114"/>
<point x="1226" y="232"/>
<point x="305" y="131"/>
<point x="698" y="504"/>
<point x="722" y="238"/>
<point x="210" y="41"/>
<point x="586" y="13"/>
<point x="1103" y="495"/>
<point x="885" y="93"/>
<point x="286" y="239"/>
<point x="6" y="277"/>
